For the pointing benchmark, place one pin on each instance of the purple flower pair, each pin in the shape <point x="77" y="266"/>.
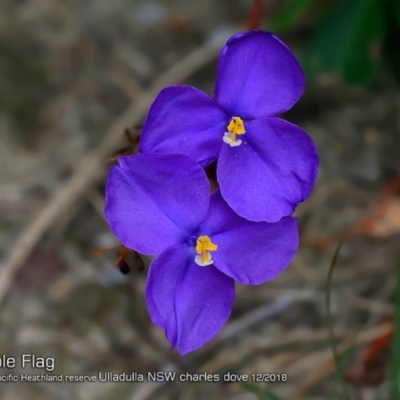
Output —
<point x="160" y="202"/>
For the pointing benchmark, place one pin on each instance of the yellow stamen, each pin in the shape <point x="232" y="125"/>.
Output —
<point x="235" y="127"/>
<point x="203" y="247"/>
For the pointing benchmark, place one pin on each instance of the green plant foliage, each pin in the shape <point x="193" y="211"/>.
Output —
<point x="292" y="11"/>
<point x="347" y="41"/>
<point x="391" y="50"/>
<point x="398" y="13"/>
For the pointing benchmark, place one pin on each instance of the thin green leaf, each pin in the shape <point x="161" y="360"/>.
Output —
<point x="329" y="322"/>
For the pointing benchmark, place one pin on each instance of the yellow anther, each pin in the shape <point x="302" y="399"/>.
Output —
<point x="203" y="247"/>
<point x="235" y="127"/>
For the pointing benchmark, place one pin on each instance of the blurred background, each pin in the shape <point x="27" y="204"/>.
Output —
<point x="73" y="76"/>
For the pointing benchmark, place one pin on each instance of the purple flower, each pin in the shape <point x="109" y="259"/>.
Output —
<point x="266" y="165"/>
<point x="160" y="204"/>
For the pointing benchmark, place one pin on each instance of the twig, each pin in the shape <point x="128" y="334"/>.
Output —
<point x="227" y="359"/>
<point x="90" y="169"/>
<point x="255" y="16"/>
<point x="255" y="316"/>
<point x="364" y="337"/>
<point x="321" y="363"/>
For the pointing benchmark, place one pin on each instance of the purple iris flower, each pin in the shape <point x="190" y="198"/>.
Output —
<point x="160" y="204"/>
<point x="266" y="165"/>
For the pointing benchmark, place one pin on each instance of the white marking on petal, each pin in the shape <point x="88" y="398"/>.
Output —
<point x="202" y="263"/>
<point x="227" y="139"/>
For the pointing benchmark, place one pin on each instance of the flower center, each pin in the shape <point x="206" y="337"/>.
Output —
<point x="235" y="127"/>
<point x="203" y="247"/>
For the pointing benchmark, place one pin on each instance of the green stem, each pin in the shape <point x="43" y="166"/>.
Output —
<point x="395" y="357"/>
<point x="329" y="321"/>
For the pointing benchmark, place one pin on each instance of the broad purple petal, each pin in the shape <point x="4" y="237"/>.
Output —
<point x="258" y="76"/>
<point x="249" y="252"/>
<point x="273" y="170"/>
<point x="156" y="200"/>
<point x="184" y="120"/>
<point x="191" y="303"/>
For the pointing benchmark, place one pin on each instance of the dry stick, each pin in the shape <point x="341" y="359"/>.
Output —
<point x="317" y="360"/>
<point x="255" y="16"/>
<point x="89" y="170"/>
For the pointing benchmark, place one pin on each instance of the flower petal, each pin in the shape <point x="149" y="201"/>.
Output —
<point x="249" y="252"/>
<point x="184" y="120"/>
<point x="156" y="200"/>
<point x="258" y="76"/>
<point x="273" y="170"/>
<point x="191" y="303"/>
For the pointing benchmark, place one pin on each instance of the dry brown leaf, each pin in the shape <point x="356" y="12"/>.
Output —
<point x="388" y="222"/>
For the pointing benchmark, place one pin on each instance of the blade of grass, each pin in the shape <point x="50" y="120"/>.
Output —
<point x="345" y="358"/>
<point x="395" y="358"/>
<point x="329" y="321"/>
<point x="262" y="394"/>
